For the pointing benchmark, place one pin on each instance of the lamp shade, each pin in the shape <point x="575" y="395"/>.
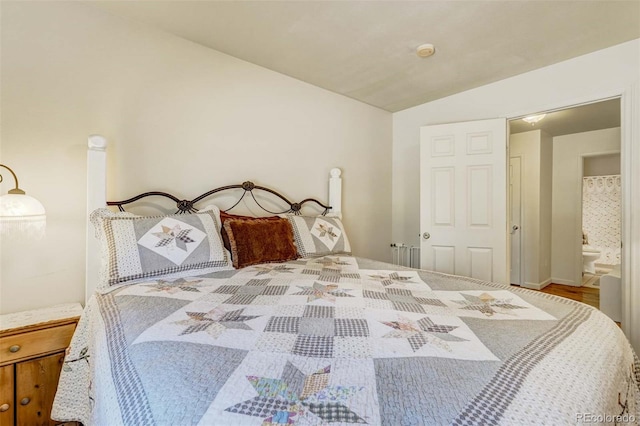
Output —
<point x="20" y="213"/>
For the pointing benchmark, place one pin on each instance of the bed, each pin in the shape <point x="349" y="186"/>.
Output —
<point x="325" y="337"/>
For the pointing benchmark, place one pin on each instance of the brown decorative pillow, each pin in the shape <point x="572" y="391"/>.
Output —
<point x="260" y="241"/>
<point x="225" y="216"/>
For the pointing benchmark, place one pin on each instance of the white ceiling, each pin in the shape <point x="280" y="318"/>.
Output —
<point x="584" y="118"/>
<point x="366" y="49"/>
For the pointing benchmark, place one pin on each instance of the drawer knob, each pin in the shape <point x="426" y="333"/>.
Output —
<point x="4" y="407"/>
<point x="14" y="348"/>
<point x="25" y="401"/>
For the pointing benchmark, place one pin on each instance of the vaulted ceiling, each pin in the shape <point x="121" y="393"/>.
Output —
<point x="366" y="49"/>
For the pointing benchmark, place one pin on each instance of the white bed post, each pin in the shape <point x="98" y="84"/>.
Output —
<point x="96" y="198"/>
<point x="335" y="193"/>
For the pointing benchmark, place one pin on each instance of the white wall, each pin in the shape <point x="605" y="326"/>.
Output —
<point x="566" y="240"/>
<point x="602" y="165"/>
<point x="180" y="117"/>
<point x="593" y="76"/>
<point x="546" y="188"/>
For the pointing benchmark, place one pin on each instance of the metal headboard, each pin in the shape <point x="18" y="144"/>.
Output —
<point x="97" y="198"/>
<point x="248" y="187"/>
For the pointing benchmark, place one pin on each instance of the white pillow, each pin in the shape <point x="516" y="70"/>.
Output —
<point x="319" y="235"/>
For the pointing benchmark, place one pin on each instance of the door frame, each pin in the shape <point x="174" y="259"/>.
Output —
<point x="630" y="171"/>
<point x="578" y="272"/>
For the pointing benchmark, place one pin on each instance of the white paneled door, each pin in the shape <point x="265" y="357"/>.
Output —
<point x="463" y="199"/>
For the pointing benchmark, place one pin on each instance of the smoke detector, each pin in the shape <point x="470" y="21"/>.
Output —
<point x="425" y="50"/>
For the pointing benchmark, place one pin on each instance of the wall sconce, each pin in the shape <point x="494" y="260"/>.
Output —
<point x="20" y="213"/>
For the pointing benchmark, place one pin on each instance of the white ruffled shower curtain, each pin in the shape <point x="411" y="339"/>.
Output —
<point x="601" y="215"/>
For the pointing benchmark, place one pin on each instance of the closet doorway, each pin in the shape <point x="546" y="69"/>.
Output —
<point x="565" y="200"/>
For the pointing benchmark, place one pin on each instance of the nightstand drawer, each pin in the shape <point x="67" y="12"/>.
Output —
<point x="37" y="342"/>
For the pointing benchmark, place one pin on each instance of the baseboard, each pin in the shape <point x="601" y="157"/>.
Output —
<point x="565" y="282"/>
<point x="537" y="286"/>
<point x="545" y="283"/>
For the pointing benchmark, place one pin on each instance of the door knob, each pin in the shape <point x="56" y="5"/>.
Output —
<point x="25" y="401"/>
<point x="4" y="407"/>
<point x="426" y="235"/>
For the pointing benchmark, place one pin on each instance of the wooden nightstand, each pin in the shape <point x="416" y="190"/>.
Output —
<point x="32" y="348"/>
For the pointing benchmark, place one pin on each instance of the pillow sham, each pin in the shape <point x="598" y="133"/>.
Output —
<point x="260" y="240"/>
<point x="319" y="235"/>
<point x="225" y="216"/>
<point x="136" y="248"/>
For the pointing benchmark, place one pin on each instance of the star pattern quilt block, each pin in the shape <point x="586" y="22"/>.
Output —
<point x="172" y="239"/>
<point x="292" y="392"/>
<point x="210" y="324"/>
<point x="295" y="394"/>
<point x="411" y="334"/>
<point x="491" y="304"/>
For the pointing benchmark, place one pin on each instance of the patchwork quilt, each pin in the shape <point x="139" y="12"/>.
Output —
<point x="343" y="340"/>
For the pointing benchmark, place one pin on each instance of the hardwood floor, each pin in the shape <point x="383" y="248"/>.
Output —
<point x="588" y="295"/>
